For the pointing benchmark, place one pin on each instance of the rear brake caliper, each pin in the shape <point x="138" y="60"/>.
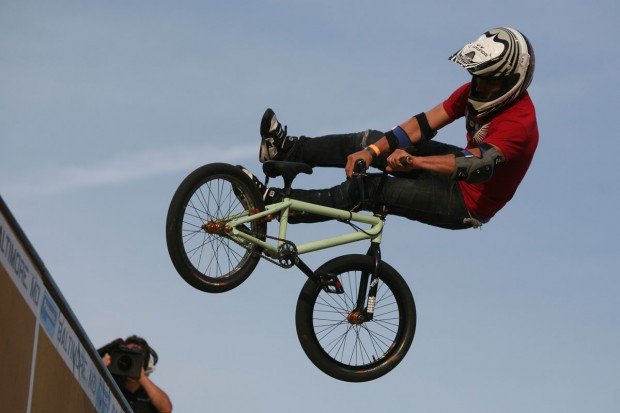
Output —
<point x="331" y="284"/>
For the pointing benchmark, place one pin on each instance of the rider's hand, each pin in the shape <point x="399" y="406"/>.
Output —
<point x="397" y="158"/>
<point x="351" y="159"/>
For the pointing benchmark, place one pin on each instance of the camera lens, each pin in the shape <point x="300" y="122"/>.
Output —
<point x="125" y="363"/>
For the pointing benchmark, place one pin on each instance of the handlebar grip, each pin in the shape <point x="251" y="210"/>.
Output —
<point x="360" y="166"/>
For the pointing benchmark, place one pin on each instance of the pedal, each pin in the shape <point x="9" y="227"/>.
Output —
<point x="330" y="284"/>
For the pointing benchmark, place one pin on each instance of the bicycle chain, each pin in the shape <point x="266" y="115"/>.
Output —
<point x="265" y="256"/>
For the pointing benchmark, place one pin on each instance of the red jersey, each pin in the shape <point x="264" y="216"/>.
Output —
<point x="515" y="133"/>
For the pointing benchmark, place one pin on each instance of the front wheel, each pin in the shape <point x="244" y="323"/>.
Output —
<point x="339" y="345"/>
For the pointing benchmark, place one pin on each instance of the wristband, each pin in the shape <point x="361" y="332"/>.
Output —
<point x="375" y="148"/>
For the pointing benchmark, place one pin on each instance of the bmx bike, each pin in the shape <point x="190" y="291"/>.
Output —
<point x="355" y="315"/>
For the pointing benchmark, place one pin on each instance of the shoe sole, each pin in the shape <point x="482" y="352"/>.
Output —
<point x="265" y="126"/>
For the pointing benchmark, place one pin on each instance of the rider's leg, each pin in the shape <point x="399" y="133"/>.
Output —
<point x="332" y="150"/>
<point x="344" y="196"/>
<point x="429" y="198"/>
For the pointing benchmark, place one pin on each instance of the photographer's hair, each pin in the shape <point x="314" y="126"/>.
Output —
<point x="134" y="339"/>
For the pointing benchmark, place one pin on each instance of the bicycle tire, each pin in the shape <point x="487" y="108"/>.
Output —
<point x="208" y="193"/>
<point x="321" y="317"/>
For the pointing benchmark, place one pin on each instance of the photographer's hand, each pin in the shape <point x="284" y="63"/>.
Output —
<point x="158" y="397"/>
<point x="106" y="360"/>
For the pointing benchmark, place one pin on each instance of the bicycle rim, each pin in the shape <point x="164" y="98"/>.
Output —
<point x="213" y="255"/>
<point x="357" y="346"/>
<point x="346" y="347"/>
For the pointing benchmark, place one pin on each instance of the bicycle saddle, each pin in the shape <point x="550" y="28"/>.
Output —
<point x="288" y="170"/>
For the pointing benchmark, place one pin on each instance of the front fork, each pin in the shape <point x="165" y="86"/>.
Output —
<point x="365" y="305"/>
<point x="369" y="301"/>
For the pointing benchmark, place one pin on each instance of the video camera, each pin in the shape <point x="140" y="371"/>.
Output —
<point x="127" y="362"/>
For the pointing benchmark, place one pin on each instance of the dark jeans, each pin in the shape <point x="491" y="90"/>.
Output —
<point x="419" y="195"/>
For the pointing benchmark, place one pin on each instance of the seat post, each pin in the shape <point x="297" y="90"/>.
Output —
<point x="288" y="183"/>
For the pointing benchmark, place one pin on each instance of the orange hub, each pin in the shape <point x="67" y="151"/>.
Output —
<point x="355" y="317"/>
<point x="215" y="227"/>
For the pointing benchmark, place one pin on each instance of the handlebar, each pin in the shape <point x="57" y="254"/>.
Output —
<point x="404" y="160"/>
<point x="360" y="167"/>
<point x="359" y="172"/>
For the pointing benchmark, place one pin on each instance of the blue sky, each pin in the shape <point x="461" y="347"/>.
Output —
<point x="106" y="106"/>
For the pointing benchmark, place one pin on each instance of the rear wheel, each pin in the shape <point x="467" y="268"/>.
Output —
<point x="336" y="342"/>
<point x="203" y="255"/>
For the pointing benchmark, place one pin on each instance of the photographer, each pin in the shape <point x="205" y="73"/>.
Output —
<point x="131" y="361"/>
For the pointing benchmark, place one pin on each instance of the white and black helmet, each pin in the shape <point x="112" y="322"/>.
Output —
<point x="500" y="53"/>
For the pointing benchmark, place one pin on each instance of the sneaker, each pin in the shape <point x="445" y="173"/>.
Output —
<point x="274" y="142"/>
<point x="262" y="188"/>
<point x="269" y="195"/>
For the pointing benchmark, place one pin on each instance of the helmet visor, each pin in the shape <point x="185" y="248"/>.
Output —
<point x="479" y="55"/>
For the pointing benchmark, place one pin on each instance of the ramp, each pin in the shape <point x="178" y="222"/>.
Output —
<point x="47" y="363"/>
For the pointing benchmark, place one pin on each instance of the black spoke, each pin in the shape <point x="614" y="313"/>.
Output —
<point x="382" y="336"/>
<point x="336" y="307"/>
<point x="355" y="344"/>
<point x="212" y="254"/>
<point x="328" y="330"/>
<point x="374" y="342"/>
<point x="200" y="256"/>
<point x="200" y="228"/>
<point x="377" y="342"/>
<point x="337" y="340"/>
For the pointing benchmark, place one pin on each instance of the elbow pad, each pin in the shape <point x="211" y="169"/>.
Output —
<point x="426" y="132"/>
<point x="477" y="170"/>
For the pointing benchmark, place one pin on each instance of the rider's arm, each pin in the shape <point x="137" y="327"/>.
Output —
<point x="441" y="164"/>
<point x="480" y="170"/>
<point x="437" y="118"/>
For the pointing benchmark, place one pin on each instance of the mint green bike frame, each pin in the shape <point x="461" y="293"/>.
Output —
<point x="287" y="205"/>
<point x="364" y="309"/>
